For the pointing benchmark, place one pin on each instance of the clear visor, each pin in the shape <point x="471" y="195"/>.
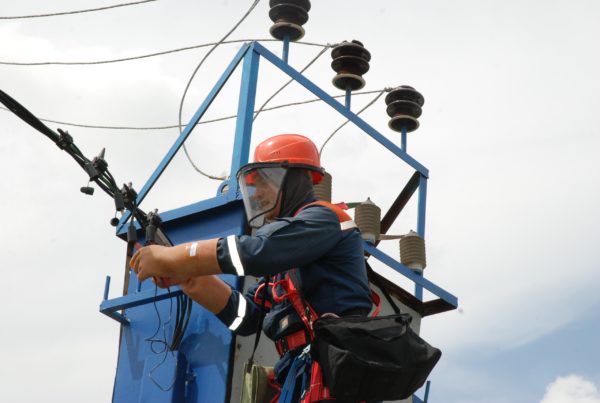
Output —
<point x="261" y="190"/>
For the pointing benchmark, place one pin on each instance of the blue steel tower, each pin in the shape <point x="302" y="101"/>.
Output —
<point x="206" y="367"/>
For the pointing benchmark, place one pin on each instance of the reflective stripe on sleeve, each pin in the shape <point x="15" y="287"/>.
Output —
<point x="347" y="225"/>
<point x="240" y="314"/>
<point x="235" y="257"/>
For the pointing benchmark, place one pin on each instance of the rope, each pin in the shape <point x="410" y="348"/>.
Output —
<point x="20" y="17"/>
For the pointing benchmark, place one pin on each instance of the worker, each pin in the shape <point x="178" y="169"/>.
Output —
<point x="316" y="240"/>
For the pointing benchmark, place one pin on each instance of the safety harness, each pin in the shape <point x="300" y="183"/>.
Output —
<point x="304" y="371"/>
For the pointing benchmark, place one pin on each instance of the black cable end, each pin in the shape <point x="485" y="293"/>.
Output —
<point x="131" y="233"/>
<point x="114" y="221"/>
<point x="119" y="202"/>
<point x="88" y="190"/>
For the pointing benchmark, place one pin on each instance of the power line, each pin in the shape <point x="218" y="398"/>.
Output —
<point x="125" y="59"/>
<point x="288" y="82"/>
<point x="348" y="120"/>
<point x="166" y="127"/>
<point x="192" y="78"/>
<point x="21" y="17"/>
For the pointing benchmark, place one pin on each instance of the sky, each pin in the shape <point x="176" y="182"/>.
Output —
<point x="508" y="132"/>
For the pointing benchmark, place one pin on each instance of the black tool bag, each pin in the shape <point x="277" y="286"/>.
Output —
<point x="372" y="358"/>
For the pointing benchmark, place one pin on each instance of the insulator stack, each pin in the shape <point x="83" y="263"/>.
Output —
<point x="323" y="189"/>
<point x="404" y="105"/>
<point x="350" y="62"/>
<point x="288" y="17"/>
<point x="367" y="217"/>
<point x="412" y="252"/>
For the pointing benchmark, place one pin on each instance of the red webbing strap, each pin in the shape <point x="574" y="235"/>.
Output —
<point x="316" y="391"/>
<point x="302" y="307"/>
<point x="377" y="302"/>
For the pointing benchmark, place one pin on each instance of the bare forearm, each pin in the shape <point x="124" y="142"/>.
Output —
<point x="176" y="264"/>
<point x="209" y="291"/>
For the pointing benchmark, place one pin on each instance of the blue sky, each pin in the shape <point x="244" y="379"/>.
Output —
<point x="509" y="132"/>
<point x="521" y="374"/>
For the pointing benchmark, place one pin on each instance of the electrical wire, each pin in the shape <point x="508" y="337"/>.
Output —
<point x="256" y="113"/>
<point x="149" y="55"/>
<point x="153" y="339"/>
<point x="20" y="17"/>
<point x="348" y="120"/>
<point x="254" y="3"/>
<point x="166" y="348"/>
<point x="220" y="119"/>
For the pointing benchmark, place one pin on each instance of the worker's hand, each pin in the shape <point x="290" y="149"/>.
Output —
<point x="165" y="264"/>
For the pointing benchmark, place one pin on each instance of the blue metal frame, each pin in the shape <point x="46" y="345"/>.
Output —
<point x="364" y="126"/>
<point x="243" y="130"/>
<point x="286" y="48"/>
<point x="421" y="223"/>
<point x="348" y="97"/>
<point x="188" y="129"/>
<point x="406" y="272"/>
<point x="208" y="212"/>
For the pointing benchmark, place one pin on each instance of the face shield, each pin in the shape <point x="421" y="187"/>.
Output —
<point x="261" y="186"/>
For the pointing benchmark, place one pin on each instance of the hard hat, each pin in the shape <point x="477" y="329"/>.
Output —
<point x="299" y="151"/>
<point x="262" y="181"/>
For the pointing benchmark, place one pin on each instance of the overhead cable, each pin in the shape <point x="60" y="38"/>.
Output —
<point x="21" y="17"/>
<point x="148" y="128"/>
<point x="289" y="82"/>
<point x="254" y="3"/>
<point x="149" y="55"/>
<point x="348" y="120"/>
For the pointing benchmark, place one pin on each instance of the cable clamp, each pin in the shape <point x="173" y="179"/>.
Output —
<point x="64" y="140"/>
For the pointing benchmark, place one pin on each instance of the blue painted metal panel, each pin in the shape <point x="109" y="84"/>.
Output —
<point x="207" y="345"/>
<point x="165" y="373"/>
<point x="188" y="129"/>
<point x="309" y="85"/>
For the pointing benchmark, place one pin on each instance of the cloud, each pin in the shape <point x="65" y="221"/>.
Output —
<point x="571" y="389"/>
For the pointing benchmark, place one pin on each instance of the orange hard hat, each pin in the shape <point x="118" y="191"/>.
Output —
<point x="297" y="150"/>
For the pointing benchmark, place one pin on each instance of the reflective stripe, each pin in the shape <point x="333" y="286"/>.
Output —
<point x="235" y="257"/>
<point x="348" y="225"/>
<point x="240" y="314"/>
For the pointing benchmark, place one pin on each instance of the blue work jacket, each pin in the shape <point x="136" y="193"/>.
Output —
<point x="329" y="262"/>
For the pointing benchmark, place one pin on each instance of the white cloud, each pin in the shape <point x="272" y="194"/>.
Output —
<point x="571" y="389"/>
